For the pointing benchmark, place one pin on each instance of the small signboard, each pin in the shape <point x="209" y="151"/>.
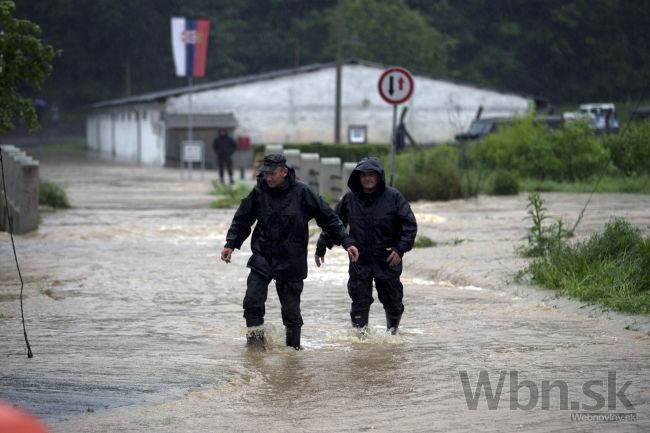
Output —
<point x="191" y="152"/>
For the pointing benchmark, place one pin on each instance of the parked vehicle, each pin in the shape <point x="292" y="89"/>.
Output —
<point x="602" y="117"/>
<point x="640" y="114"/>
<point x="481" y="127"/>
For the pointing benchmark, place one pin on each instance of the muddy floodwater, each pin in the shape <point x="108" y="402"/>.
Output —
<point x="136" y="325"/>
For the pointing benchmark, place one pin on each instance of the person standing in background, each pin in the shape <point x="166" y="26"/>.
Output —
<point x="224" y="146"/>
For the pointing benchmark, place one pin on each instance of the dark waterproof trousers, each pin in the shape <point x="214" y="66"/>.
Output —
<point x="257" y="289"/>
<point x="389" y="290"/>
<point x="225" y="162"/>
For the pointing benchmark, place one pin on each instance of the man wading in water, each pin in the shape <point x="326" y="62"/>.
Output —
<point x="282" y="207"/>
<point x="383" y="227"/>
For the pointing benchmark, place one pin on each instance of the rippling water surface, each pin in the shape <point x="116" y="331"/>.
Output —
<point x="136" y="325"/>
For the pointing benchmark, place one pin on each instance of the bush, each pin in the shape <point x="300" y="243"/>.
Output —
<point x="611" y="268"/>
<point x="427" y="174"/>
<point x="531" y="150"/>
<point x="228" y="196"/>
<point x="422" y="241"/>
<point x="505" y="183"/>
<point x="630" y="149"/>
<point x="50" y="194"/>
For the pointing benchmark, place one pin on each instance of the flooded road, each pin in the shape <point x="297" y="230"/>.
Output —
<point x="136" y="325"/>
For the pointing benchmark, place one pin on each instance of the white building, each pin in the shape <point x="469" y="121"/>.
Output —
<point x="288" y="106"/>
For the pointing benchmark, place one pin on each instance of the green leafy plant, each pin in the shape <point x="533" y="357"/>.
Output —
<point x="505" y="183"/>
<point x="427" y="174"/>
<point x="543" y="238"/>
<point x="630" y="150"/>
<point x="611" y="268"/>
<point x="25" y="61"/>
<point x="51" y="194"/>
<point x="422" y="241"/>
<point x="228" y="196"/>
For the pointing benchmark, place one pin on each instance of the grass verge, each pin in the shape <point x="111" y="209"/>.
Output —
<point x="611" y="268"/>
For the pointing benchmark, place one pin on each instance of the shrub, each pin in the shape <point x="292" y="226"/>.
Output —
<point x="427" y="174"/>
<point x="422" y="241"/>
<point x="630" y="149"/>
<point x="505" y="183"/>
<point x="610" y="268"/>
<point x="50" y="194"/>
<point x="543" y="239"/>
<point x="228" y="196"/>
<point x="531" y="150"/>
<point x="582" y="154"/>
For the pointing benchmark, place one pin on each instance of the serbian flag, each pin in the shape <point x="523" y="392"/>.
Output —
<point x="190" y="45"/>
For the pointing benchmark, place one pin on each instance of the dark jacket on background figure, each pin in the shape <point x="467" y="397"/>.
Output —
<point x="281" y="235"/>
<point x="224" y="146"/>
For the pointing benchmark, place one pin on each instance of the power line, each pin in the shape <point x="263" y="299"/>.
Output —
<point x="13" y="245"/>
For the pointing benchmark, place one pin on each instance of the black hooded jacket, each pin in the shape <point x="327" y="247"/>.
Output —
<point x="378" y="220"/>
<point x="280" y="237"/>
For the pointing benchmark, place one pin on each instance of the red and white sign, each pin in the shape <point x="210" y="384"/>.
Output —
<point x="396" y="85"/>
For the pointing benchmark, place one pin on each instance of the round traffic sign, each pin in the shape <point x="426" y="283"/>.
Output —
<point x="395" y="85"/>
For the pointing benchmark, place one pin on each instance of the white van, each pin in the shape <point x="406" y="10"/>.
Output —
<point x="603" y="118"/>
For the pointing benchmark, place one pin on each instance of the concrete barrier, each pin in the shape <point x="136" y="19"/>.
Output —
<point x="293" y="160"/>
<point x="270" y="149"/>
<point x="348" y="168"/>
<point x="309" y="170"/>
<point x="20" y="204"/>
<point x="329" y="178"/>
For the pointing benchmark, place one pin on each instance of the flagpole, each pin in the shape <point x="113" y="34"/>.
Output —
<point x="189" y="114"/>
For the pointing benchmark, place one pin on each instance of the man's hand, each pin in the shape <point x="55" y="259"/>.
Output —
<point x="226" y="254"/>
<point x="353" y="253"/>
<point x="393" y="259"/>
<point x="319" y="260"/>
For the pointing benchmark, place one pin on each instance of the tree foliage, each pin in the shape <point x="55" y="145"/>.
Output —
<point x="24" y="64"/>
<point x="566" y="50"/>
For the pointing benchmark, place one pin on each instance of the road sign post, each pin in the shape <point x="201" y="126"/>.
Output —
<point x="395" y="87"/>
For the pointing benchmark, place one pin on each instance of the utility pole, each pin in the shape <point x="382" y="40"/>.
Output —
<point x="127" y="78"/>
<point x="339" y="62"/>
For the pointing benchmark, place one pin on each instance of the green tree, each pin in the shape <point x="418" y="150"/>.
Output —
<point x="389" y="32"/>
<point x="25" y="61"/>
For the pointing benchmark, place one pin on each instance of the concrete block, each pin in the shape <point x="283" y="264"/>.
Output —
<point x="293" y="159"/>
<point x="348" y="168"/>
<point x="20" y="173"/>
<point x="272" y="148"/>
<point x="329" y="178"/>
<point x="309" y="169"/>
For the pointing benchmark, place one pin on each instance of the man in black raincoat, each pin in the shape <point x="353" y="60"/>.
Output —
<point x="282" y="207"/>
<point x="224" y="146"/>
<point x="383" y="228"/>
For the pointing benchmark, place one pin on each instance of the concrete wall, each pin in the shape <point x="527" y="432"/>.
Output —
<point x="300" y="108"/>
<point x="129" y="133"/>
<point x="20" y="205"/>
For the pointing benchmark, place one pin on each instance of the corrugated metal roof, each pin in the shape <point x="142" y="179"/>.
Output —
<point x="162" y="95"/>
<point x="225" y="120"/>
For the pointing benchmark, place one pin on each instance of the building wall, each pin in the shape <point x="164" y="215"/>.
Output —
<point x="300" y="108"/>
<point x="129" y="133"/>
